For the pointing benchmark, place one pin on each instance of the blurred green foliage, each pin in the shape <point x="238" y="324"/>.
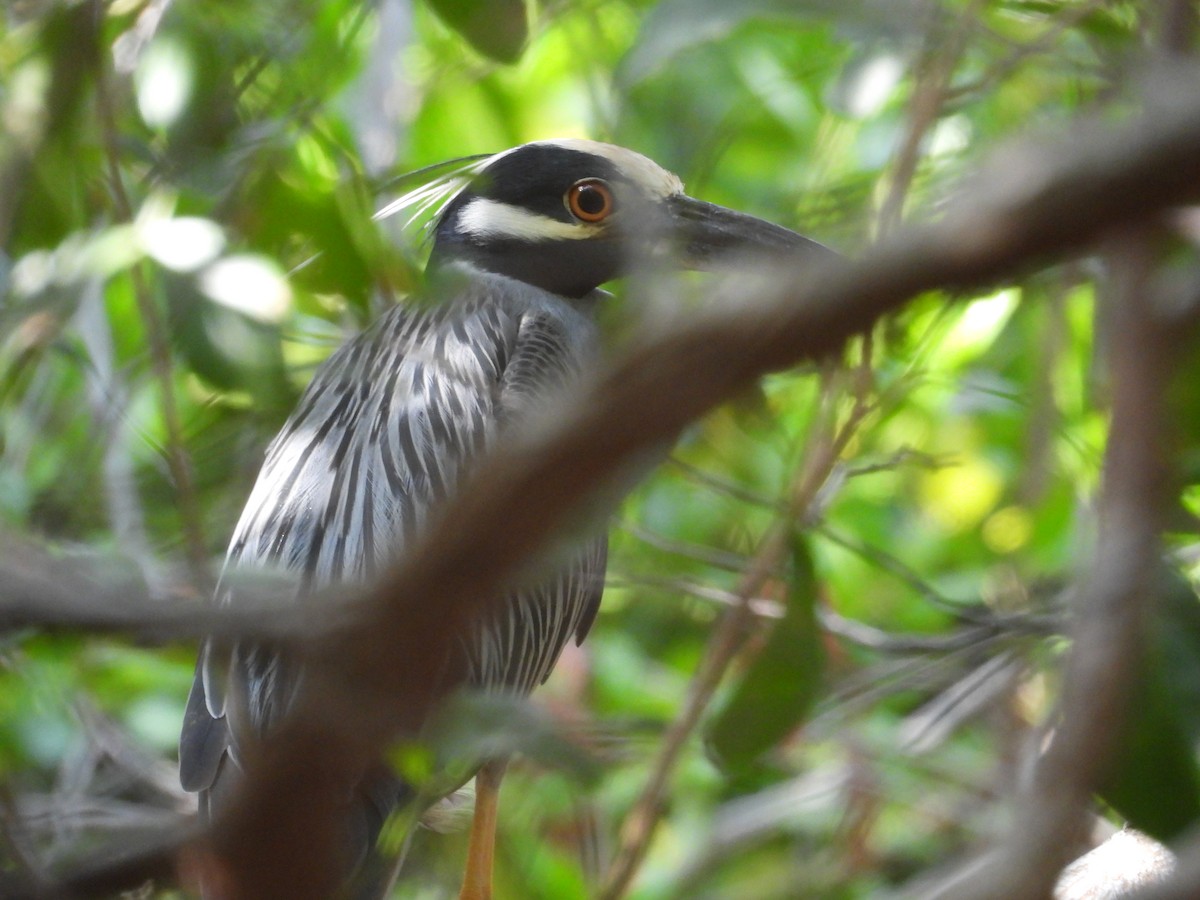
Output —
<point x="220" y="162"/>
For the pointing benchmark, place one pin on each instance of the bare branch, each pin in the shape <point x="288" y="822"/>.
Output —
<point x="61" y="593"/>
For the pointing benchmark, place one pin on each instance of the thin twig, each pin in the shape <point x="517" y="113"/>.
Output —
<point x="936" y="67"/>
<point x="1044" y="412"/>
<point x="724" y="560"/>
<point x="178" y="461"/>
<point x="725" y="486"/>
<point x="902" y="457"/>
<point x="760" y="606"/>
<point x="108" y="397"/>
<point x="899" y="570"/>
<point x="907" y="644"/>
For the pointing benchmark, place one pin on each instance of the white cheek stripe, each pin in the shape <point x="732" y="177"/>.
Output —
<point x="491" y="219"/>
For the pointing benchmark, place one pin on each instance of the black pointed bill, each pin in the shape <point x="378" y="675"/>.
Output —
<point x="708" y="235"/>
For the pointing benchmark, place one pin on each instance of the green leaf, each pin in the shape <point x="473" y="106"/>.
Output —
<point x="780" y="686"/>
<point x="1154" y="782"/>
<point x="496" y="28"/>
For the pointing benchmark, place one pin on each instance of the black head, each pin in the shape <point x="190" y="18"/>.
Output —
<point x="567" y="216"/>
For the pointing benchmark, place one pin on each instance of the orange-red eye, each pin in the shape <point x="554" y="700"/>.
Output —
<point x="590" y="200"/>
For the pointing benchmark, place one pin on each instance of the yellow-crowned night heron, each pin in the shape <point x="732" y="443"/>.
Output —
<point x="393" y="419"/>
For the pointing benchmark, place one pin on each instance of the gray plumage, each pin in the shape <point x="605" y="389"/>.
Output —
<point x="385" y="431"/>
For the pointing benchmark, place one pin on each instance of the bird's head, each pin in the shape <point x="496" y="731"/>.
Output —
<point x="569" y="215"/>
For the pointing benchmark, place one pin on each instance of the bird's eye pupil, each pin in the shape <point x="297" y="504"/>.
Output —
<point x="590" y="200"/>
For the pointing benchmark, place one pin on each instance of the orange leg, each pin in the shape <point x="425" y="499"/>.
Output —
<point x="477" y="883"/>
